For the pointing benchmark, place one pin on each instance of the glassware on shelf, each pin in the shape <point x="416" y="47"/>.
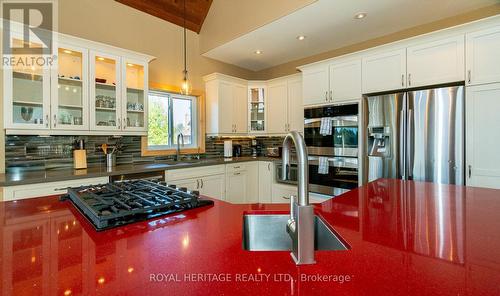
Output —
<point x="257" y="109"/>
<point x="70" y="87"/>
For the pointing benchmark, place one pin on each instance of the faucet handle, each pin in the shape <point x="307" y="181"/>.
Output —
<point x="293" y="199"/>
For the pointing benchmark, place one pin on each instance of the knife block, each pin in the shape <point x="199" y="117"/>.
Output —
<point x="80" y="159"/>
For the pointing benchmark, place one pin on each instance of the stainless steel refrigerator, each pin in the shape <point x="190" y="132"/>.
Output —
<point x="415" y="135"/>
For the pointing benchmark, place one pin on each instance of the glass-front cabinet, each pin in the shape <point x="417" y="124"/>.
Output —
<point x="90" y="88"/>
<point x="105" y="92"/>
<point x="26" y="93"/>
<point x="257" y="107"/>
<point x="134" y="107"/>
<point x="69" y="99"/>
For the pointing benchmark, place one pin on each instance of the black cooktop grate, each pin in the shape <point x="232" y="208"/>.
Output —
<point x="113" y="204"/>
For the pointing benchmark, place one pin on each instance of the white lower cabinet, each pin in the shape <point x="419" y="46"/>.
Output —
<point x="213" y="186"/>
<point x="46" y="189"/>
<point x="482" y="139"/>
<point x="281" y="193"/>
<point x="209" y="180"/>
<point x="236" y="187"/>
<point x="242" y="182"/>
<point x="190" y="184"/>
<point x="265" y="181"/>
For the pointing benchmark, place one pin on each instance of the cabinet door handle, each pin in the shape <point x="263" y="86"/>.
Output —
<point x="197" y="183"/>
<point x="331" y="95"/>
<point x="468" y="76"/>
<point x="403" y="80"/>
<point x="236" y="174"/>
<point x="46" y="120"/>
<point x="470" y="171"/>
<point x="285" y="197"/>
<point x="326" y="96"/>
<point x="119" y="123"/>
<point x="124" y="123"/>
<point x="55" y="120"/>
<point x="409" y="79"/>
<point x="236" y="167"/>
<point x="201" y="183"/>
<point x="269" y="166"/>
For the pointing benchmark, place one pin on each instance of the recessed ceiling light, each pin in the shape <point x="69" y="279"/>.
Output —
<point x="130" y="65"/>
<point x="100" y="59"/>
<point x="258" y="51"/>
<point x="68" y="51"/>
<point x="360" y="15"/>
<point x="301" y="37"/>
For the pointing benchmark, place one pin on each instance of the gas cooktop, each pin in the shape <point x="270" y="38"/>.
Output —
<point x="113" y="204"/>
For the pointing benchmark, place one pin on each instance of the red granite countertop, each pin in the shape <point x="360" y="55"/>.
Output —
<point x="404" y="237"/>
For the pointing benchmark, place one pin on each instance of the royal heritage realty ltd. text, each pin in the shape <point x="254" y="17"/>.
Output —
<point x="246" y="277"/>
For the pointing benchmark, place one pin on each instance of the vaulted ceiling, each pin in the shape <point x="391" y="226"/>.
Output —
<point x="173" y="11"/>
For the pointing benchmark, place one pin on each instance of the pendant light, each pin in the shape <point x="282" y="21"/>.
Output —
<point x="186" y="86"/>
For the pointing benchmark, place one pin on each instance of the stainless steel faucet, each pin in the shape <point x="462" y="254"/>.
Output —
<point x="300" y="226"/>
<point x="180" y="138"/>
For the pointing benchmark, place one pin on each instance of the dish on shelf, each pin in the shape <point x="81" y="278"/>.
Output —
<point x="100" y="80"/>
<point x="26" y="113"/>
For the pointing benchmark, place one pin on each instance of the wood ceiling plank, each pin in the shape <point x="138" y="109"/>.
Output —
<point x="173" y="11"/>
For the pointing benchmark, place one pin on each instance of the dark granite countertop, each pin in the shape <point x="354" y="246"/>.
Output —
<point x="11" y="179"/>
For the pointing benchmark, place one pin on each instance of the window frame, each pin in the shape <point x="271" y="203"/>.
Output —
<point x="197" y="125"/>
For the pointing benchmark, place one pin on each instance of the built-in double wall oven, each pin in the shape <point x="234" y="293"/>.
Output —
<point x="331" y="136"/>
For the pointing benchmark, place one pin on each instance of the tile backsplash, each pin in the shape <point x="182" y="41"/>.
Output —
<point x="34" y="153"/>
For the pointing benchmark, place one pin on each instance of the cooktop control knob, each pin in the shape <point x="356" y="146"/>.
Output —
<point x="172" y="186"/>
<point x="195" y="192"/>
<point x="183" y="189"/>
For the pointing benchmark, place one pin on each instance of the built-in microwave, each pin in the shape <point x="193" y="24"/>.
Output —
<point x="342" y="141"/>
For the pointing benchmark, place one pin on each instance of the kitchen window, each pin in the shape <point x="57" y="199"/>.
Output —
<point x="169" y="115"/>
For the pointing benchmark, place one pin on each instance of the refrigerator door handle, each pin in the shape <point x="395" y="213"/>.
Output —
<point x="410" y="143"/>
<point x="402" y="144"/>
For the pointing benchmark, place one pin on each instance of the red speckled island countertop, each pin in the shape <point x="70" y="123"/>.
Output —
<point x="405" y="238"/>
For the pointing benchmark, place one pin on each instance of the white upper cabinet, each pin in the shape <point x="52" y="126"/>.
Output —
<point x="295" y="106"/>
<point x="315" y="84"/>
<point x="224" y="123"/>
<point x="384" y="71"/>
<point x="331" y="82"/>
<point x="26" y="94"/>
<point x="69" y="89"/>
<point x="345" y="81"/>
<point x="482" y="140"/>
<point x="81" y="93"/>
<point x="285" y="110"/>
<point x="257" y="107"/>
<point x="226" y="104"/>
<point x="277" y="107"/>
<point x="436" y="62"/>
<point x="483" y="56"/>
<point x="240" y="108"/>
<point x="134" y="89"/>
<point x="105" y="92"/>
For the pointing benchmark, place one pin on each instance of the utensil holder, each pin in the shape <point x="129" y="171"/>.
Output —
<point x="110" y="160"/>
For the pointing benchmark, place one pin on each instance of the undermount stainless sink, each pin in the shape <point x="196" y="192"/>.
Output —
<point x="268" y="233"/>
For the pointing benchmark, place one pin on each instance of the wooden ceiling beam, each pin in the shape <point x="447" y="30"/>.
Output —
<point x="173" y="11"/>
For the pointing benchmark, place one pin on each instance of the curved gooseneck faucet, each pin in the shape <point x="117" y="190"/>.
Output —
<point x="300" y="226"/>
<point x="302" y="164"/>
